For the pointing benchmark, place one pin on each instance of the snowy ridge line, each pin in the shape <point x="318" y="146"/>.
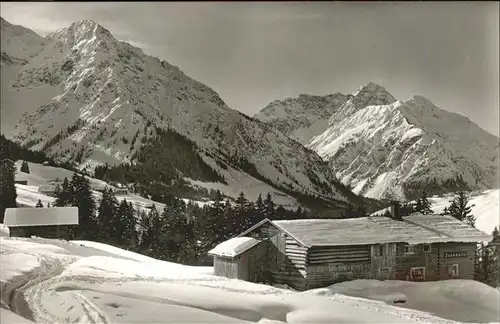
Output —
<point x="382" y="147"/>
<point x="140" y="94"/>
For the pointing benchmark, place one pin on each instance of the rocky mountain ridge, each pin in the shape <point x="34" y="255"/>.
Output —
<point x="91" y="98"/>
<point x="384" y="148"/>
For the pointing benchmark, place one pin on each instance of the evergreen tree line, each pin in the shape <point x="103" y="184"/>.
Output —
<point x="487" y="267"/>
<point x="181" y="233"/>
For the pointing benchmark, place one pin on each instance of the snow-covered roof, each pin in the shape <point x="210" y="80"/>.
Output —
<point x="41" y="216"/>
<point x="414" y="229"/>
<point x="234" y="246"/>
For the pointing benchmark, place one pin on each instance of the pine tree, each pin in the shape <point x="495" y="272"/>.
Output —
<point x="269" y="208"/>
<point x="8" y="193"/>
<point x="418" y="206"/>
<point x="81" y="197"/>
<point x="150" y="228"/>
<point x="298" y="213"/>
<point x="460" y="209"/>
<point x="487" y="268"/>
<point x="25" y="167"/>
<point x="39" y="204"/>
<point x="107" y="217"/>
<point x="423" y="205"/>
<point x="175" y="232"/>
<point x="243" y="214"/>
<point x="126" y="226"/>
<point x="216" y="224"/>
<point x="260" y="210"/>
<point x="64" y="194"/>
<point x="145" y="228"/>
<point x="281" y="213"/>
<point x="426" y="205"/>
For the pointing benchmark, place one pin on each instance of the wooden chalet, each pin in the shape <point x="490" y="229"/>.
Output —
<point x="305" y="254"/>
<point x="54" y="222"/>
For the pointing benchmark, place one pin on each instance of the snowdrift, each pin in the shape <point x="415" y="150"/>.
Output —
<point x="461" y="300"/>
<point x="87" y="282"/>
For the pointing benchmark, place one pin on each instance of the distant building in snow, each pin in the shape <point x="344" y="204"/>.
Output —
<point x="121" y="191"/>
<point x="48" y="190"/>
<point x="54" y="222"/>
<point x="305" y="254"/>
<point x="98" y="187"/>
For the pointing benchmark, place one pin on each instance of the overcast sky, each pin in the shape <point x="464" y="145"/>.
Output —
<point x="254" y="53"/>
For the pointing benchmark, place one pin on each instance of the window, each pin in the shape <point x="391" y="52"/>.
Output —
<point x="409" y="249"/>
<point x="453" y="270"/>
<point x="417" y="273"/>
<point x="427" y="248"/>
<point x="378" y="250"/>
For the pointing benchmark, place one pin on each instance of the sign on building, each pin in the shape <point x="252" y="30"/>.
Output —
<point x="449" y="255"/>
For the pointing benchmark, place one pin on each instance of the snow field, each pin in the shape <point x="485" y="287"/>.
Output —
<point x="87" y="282"/>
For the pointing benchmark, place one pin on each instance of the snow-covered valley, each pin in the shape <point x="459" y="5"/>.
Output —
<point x="51" y="281"/>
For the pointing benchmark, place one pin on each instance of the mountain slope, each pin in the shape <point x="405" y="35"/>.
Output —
<point x="18" y="45"/>
<point x="384" y="148"/>
<point x="303" y="117"/>
<point x="110" y="99"/>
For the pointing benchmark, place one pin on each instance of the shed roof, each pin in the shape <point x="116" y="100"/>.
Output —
<point x="41" y="216"/>
<point x="414" y="229"/>
<point x="234" y="246"/>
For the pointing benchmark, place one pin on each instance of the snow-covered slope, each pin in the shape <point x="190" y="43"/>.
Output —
<point x="17" y="45"/>
<point x="448" y="298"/>
<point x="106" y="97"/>
<point x="485" y="207"/>
<point x="85" y="282"/>
<point x="43" y="175"/>
<point x="383" y="148"/>
<point x="303" y="117"/>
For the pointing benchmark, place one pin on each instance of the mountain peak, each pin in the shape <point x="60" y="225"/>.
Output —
<point x="372" y="94"/>
<point x="81" y="29"/>
<point x="421" y="100"/>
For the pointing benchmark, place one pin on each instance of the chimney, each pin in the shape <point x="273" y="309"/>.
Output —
<point x="395" y="210"/>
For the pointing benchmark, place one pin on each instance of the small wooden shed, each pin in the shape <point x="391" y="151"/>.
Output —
<point x="240" y="258"/>
<point x="53" y="222"/>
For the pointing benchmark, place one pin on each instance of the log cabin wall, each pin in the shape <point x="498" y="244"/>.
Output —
<point x="438" y="261"/>
<point x="463" y="255"/>
<point x="225" y="267"/>
<point x="251" y="263"/>
<point x="383" y="261"/>
<point x="416" y="258"/>
<point x="328" y="265"/>
<point x="52" y="231"/>
<point x="285" y="257"/>
<point x="291" y="262"/>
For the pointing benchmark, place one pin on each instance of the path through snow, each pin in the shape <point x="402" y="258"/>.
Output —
<point x="64" y="282"/>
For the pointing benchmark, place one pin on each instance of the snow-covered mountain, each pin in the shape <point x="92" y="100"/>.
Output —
<point x="91" y="97"/>
<point x="384" y="148"/>
<point x="300" y="118"/>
